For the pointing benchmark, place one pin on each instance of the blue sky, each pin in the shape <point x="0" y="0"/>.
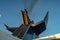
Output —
<point x="11" y="15"/>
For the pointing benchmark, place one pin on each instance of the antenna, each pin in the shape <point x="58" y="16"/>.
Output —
<point x="29" y="4"/>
